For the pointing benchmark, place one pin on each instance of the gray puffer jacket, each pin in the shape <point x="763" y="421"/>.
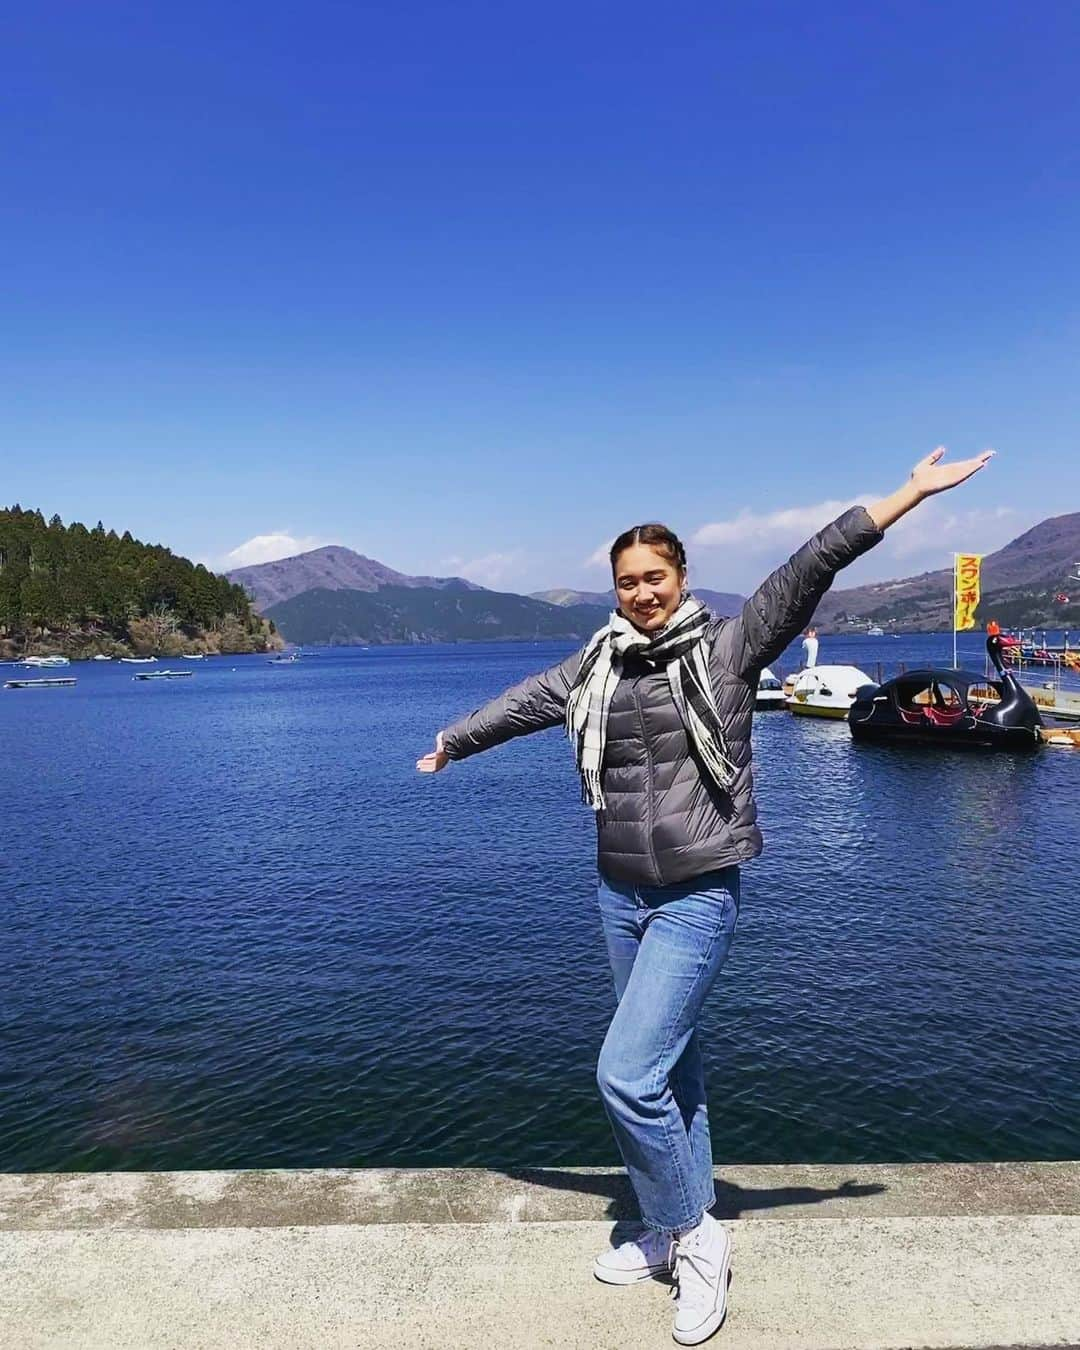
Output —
<point x="664" y="820"/>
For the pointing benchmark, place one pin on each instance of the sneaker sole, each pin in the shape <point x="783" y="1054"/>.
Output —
<point x="606" y="1276"/>
<point x="712" y="1324"/>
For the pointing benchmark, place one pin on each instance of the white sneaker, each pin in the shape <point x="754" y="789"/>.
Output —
<point x="646" y="1255"/>
<point x="701" y="1263"/>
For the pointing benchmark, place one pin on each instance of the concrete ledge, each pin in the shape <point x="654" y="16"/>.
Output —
<point x="278" y="1199"/>
<point x="926" y="1256"/>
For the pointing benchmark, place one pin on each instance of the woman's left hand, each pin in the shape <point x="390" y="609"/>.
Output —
<point x="930" y="475"/>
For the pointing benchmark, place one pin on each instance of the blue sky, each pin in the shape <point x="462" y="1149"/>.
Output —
<point x="473" y="287"/>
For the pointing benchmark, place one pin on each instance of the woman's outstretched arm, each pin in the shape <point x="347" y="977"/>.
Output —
<point x="928" y="477"/>
<point x="784" y="603"/>
<point x="538" y="702"/>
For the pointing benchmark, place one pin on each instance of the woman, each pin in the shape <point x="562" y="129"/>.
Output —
<point x="658" y="707"/>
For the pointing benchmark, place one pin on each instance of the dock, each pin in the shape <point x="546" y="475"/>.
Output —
<point x="841" y="1257"/>
<point x="1062" y="704"/>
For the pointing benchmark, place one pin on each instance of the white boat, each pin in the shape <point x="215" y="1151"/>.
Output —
<point x="826" y="691"/>
<point x="875" y="630"/>
<point x="45" y="662"/>
<point x="164" y="675"/>
<point x="197" y="656"/>
<point x="61" y="683"/>
<point x="770" y="692"/>
<point x="138" y="660"/>
<point x="99" y="657"/>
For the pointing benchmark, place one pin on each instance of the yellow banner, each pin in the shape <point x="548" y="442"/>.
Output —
<point x="966" y="589"/>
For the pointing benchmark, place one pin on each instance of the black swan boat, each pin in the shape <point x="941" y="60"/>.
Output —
<point x="950" y="707"/>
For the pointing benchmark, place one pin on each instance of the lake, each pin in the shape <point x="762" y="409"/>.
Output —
<point x="239" y="930"/>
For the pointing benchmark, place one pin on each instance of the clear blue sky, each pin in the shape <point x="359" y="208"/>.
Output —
<point x="474" y="286"/>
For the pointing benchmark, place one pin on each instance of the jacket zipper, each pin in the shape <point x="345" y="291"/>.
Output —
<point x="649" y="783"/>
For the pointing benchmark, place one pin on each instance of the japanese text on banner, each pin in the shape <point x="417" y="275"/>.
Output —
<point x="966" y="589"/>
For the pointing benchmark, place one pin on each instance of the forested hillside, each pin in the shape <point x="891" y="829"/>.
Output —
<point x="418" y="614"/>
<point x="79" y="591"/>
<point x="1032" y="581"/>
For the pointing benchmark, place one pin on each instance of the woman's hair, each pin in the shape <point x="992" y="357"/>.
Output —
<point x="665" y="542"/>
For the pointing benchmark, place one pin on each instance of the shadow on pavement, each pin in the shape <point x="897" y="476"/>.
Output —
<point x="732" y="1201"/>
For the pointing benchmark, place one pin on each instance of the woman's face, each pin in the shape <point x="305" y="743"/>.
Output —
<point x="648" y="587"/>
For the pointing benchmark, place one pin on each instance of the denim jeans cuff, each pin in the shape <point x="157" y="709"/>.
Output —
<point x="680" y="1226"/>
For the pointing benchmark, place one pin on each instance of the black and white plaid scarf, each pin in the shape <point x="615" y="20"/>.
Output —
<point x="680" y="648"/>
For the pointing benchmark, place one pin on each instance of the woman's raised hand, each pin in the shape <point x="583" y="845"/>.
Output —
<point x="927" y="477"/>
<point x="436" y="760"/>
<point x="930" y="475"/>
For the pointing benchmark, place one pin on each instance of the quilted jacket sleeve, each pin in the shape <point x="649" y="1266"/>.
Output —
<point x="784" y="603"/>
<point x="539" y="701"/>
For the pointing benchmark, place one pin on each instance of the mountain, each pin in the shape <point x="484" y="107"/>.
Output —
<point x="338" y="596"/>
<point x="427" y="614"/>
<point x="332" y="569"/>
<point x="1019" y="586"/>
<point x="562" y="596"/>
<point x="721" y="603"/>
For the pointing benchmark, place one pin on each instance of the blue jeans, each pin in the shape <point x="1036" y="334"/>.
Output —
<point x="666" y="945"/>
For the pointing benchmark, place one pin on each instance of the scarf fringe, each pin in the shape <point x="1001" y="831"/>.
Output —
<point x="592" y="794"/>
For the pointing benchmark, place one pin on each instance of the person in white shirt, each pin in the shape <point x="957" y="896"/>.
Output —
<point x="809" y="647"/>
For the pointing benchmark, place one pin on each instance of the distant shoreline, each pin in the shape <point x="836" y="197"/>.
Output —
<point x="280" y="644"/>
<point x="857" y="634"/>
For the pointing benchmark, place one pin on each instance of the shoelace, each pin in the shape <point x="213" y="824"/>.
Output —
<point x="700" y="1265"/>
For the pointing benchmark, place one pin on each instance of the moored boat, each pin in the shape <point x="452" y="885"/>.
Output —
<point x="164" y="675"/>
<point x="770" y="692"/>
<point x="138" y="660"/>
<point x="45" y="662"/>
<point x="826" y="691"/>
<point x="60" y="683"/>
<point x="950" y="707"/>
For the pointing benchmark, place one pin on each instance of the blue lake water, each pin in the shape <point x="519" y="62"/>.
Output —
<point x="240" y="930"/>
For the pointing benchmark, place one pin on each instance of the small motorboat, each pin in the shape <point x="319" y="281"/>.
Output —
<point x="45" y="662"/>
<point x="138" y="660"/>
<point x="62" y="683"/>
<point x="875" y="630"/>
<point x="950" y="707"/>
<point x="826" y="691"/>
<point x="770" y="692"/>
<point x="101" y="657"/>
<point x="283" y="660"/>
<point x="164" y="675"/>
<point x="193" y="656"/>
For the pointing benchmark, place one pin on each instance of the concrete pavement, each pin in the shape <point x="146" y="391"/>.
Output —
<point x="826" y="1258"/>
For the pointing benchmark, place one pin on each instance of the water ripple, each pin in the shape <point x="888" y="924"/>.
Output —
<point x="241" y="931"/>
